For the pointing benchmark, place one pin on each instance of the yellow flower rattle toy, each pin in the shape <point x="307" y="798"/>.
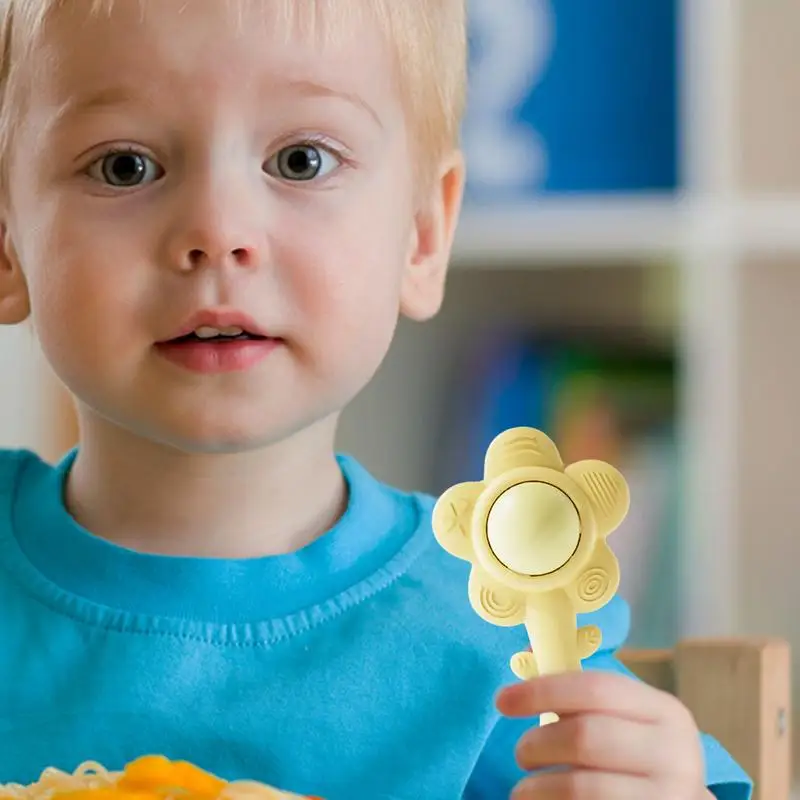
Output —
<point x="535" y="533"/>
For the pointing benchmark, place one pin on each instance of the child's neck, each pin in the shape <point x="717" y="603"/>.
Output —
<point x="156" y="499"/>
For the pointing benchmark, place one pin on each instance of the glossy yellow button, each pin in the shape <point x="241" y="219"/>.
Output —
<point x="533" y="528"/>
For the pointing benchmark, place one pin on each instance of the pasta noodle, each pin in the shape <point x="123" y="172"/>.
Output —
<point x="147" y="778"/>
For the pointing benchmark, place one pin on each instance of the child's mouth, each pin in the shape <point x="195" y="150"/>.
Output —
<point x="208" y="350"/>
<point x="214" y="336"/>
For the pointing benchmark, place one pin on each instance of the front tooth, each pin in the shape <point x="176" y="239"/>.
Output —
<point x="206" y="332"/>
<point x="232" y="331"/>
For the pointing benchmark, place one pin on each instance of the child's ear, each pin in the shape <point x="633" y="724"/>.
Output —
<point x="14" y="301"/>
<point x="422" y="289"/>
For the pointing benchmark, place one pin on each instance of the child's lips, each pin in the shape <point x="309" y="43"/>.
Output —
<point x="220" y="319"/>
<point x="215" y="356"/>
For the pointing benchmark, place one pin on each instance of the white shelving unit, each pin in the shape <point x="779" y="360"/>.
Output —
<point x="585" y="230"/>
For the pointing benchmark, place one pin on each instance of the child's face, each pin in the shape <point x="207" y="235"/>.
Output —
<point x="192" y="159"/>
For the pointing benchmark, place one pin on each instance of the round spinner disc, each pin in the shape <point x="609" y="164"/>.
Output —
<point x="533" y="528"/>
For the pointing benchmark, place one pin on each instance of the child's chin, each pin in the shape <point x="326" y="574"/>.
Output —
<point x="228" y="437"/>
<point x="219" y="442"/>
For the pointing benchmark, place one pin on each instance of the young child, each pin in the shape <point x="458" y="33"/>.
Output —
<point x="214" y="213"/>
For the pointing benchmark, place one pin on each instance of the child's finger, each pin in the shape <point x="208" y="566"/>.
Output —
<point x="582" y="785"/>
<point x="593" y="692"/>
<point x="593" y="741"/>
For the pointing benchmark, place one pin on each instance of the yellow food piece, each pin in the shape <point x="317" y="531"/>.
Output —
<point x="147" y="778"/>
<point x="158" y="776"/>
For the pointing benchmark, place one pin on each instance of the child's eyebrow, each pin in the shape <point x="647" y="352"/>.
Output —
<point x="117" y="95"/>
<point x="313" y="89"/>
<point x="78" y="104"/>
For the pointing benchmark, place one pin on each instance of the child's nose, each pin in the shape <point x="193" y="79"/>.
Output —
<point x="212" y="231"/>
<point x="214" y="249"/>
<point x="197" y="257"/>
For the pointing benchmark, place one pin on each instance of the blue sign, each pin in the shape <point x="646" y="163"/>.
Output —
<point x="571" y="96"/>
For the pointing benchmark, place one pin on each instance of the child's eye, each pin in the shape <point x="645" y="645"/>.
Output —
<point x="125" y="169"/>
<point x="301" y="162"/>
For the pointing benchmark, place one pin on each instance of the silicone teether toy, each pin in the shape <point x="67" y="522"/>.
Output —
<point x="535" y="533"/>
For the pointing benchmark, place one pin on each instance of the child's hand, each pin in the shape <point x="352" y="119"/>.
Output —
<point x="617" y="739"/>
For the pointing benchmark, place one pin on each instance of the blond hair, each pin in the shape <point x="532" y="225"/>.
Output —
<point x="428" y="38"/>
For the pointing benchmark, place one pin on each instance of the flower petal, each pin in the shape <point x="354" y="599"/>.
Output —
<point x="495" y="603"/>
<point x="607" y="491"/>
<point x="598" y="583"/>
<point x="452" y="518"/>
<point x="520" y="447"/>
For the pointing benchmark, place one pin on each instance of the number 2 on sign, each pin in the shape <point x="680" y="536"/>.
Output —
<point x="514" y="42"/>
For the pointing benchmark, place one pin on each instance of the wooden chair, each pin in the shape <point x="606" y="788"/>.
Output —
<point x="739" y="692"/>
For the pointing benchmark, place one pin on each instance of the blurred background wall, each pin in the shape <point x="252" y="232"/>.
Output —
<point x="626" y="277"/>
<point x="27" y="410"/>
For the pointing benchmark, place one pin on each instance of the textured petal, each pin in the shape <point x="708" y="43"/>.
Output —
<point x="598" y="583"/>
<point x="452" y="517"/>
<point x="520" y="447"/>
<point x="607" y="491"/>
<point x="494" y="602"/>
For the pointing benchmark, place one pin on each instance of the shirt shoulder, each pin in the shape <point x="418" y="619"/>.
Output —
<point x="18" y="469"/>
<point x="13" y="465"/>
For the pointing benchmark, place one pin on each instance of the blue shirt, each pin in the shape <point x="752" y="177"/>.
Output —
<point x="354" y="667"/>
